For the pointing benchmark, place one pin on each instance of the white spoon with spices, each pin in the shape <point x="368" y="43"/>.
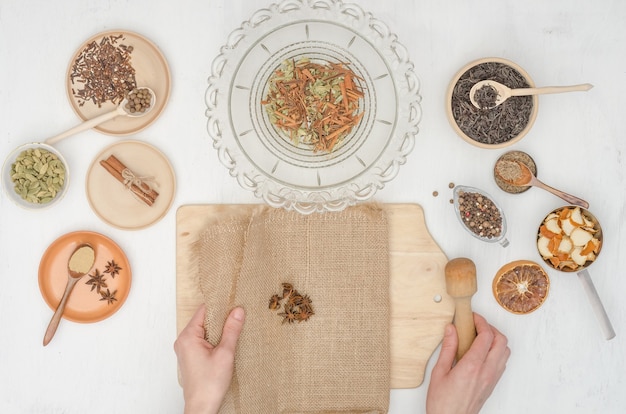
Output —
<point x="137" y="103"/>
<point x="496" y="93"/>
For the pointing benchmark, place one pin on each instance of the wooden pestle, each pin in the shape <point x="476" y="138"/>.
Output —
<point x="461" y="285"/>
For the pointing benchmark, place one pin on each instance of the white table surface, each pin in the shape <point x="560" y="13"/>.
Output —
<point x="560" y="362"/>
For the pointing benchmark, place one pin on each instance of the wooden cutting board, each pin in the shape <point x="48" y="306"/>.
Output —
<point x="420" y="306"/>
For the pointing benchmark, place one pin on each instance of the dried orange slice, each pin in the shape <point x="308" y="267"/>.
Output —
<point x="521" y="286"/>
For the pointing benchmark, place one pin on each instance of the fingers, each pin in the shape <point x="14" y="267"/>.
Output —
<point x="193" y="330"/>
<point x="484" y="339"/>
<point x="195" y="326"/>
<point x="499" y="352"/>
<point x="232" y="329"/>
<point x="197" y="320"/>
<point x="448" y="351"/>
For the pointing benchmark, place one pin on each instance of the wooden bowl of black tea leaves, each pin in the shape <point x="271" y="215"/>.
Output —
<point x="495" y="127"/>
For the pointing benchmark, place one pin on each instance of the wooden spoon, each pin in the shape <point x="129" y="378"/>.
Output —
<point x="120" y="110"/>
<point x="504" y="92"/>
<point x="528" y="178"/>
<point x="81" y="261"/>
<point x="461" y="285"/>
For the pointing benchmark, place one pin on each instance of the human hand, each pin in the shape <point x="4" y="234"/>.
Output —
<point x="206" y="370"/>
<point x="464" y="387"/>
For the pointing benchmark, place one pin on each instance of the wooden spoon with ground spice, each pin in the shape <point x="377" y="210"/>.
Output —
<point x="79" y="264"/>
<point x="518" y="173"/>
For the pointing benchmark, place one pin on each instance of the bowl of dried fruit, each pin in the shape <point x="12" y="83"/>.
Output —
<point x="35" y="176"/>
<point x="495" y="127"/>
<point x="569" y="239"/>
<point x="313" y="106"/>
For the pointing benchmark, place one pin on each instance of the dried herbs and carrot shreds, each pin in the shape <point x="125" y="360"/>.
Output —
<point x="104" y="70"/>
<point x="314" y="104"/>
<point x="296" y="307"/>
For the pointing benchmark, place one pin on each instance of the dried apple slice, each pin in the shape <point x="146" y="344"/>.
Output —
<point x="576" y="217"/>
<point x="589" y="248"/>
<point x="552" y="225"/>
<point x="580" y="237"/>
<point x="542" y="245"/>
<point x="567" y="226"/>
<point x="577" y="257"/>
<point x="566" y="245"/>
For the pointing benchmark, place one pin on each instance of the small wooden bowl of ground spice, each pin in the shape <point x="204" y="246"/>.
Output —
<point x="496" y="127"/>
<point x="502" y="169"/>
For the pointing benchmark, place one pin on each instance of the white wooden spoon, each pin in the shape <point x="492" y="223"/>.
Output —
<point x="120" y="110"/>
<point x="504" y="92"/>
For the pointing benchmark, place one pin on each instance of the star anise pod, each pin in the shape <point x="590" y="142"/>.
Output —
<point x="108" y="296"/>
<point x="112" y="268"/>
<point x="97" y="281"/>
<point x="287" y="289"/>
<point x="274" y="302"/>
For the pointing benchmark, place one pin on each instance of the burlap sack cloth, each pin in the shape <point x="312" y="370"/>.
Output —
<point x="338" y="360"/>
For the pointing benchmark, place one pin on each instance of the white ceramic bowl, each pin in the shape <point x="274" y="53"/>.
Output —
<point x="9" y="186"/>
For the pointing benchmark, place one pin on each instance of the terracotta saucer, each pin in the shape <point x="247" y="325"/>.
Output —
<point x="85" y="304"/>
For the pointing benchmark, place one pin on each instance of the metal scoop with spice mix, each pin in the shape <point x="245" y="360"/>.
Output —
<point x="480" y="215"/>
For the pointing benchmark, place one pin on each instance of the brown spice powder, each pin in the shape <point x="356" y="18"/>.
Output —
<point x="509" y="170"/>
<point x="518" y="156"/>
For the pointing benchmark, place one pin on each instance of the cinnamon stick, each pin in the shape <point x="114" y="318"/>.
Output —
<point x="116" y="169"/>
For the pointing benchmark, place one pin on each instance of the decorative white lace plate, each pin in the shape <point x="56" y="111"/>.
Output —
<point x="293" y="176"/>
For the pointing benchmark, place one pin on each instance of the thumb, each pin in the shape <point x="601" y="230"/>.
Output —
<point x="232" y="329"/>
<point x="448" y="351"/>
